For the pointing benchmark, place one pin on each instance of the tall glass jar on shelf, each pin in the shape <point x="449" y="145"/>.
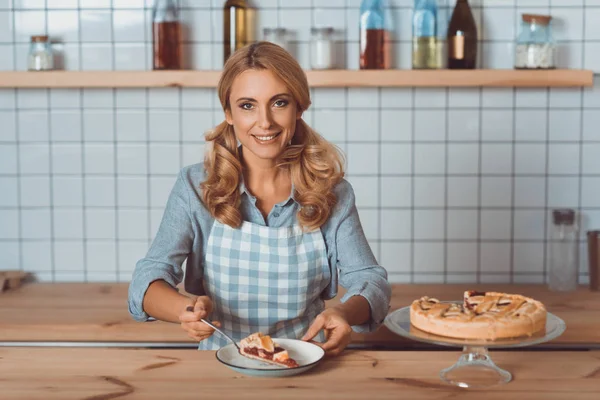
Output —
<point x="166" y="35"/>
<point x="535" y="47"/>
<point x="563" y="271"/>
<point x="237" y="26"/>
<point x="375" y="34"/>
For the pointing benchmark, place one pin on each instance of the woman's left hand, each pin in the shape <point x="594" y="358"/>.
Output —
<point x="337" y="331"/>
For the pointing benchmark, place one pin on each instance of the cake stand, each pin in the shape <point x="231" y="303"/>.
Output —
<point x="474" y="368"/>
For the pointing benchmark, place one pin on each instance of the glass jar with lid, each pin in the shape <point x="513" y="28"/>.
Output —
<point x="40" y="56"/>
<point x="277" y="36"/>
<point x="321" y="48"/>
<point x="535" y="47"/>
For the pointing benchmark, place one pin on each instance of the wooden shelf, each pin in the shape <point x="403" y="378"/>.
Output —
<point x="330" y="78"/>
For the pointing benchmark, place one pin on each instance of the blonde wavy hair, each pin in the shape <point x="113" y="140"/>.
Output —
<point x="315" y="165"/>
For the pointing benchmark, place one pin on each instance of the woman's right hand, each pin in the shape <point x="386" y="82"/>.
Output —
<point x="190" y="319"/>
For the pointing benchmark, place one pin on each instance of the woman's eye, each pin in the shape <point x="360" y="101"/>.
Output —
<point x="246" y="106"/>
<point x="281" y="103"/>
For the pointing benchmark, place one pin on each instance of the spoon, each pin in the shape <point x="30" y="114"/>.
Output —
<point x="222" y="333"/>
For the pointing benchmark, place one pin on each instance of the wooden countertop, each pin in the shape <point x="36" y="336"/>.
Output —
<point x="92" y="312"/>
<point x="93" y="373"/>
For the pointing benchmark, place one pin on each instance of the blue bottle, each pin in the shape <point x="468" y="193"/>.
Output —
<point x="424" y="28"/>
<point x="375" y="26"/>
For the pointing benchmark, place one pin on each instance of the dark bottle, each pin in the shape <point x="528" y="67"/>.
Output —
<point x="462" y="38"/>
<point x="166" y="36"/>
<point x="236" y="33"/>
<point x="375" y="34"/>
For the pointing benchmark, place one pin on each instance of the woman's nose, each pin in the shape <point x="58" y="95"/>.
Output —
<point x="265" y="120"/>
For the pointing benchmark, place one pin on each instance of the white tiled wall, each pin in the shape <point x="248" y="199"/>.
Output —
<point x="452" y="185"/>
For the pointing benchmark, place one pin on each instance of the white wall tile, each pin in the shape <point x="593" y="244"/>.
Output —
<point x="35" y="191"/>
<point x="100" y="257"/>
<point x="98" y="98"/>
<point x="530" y="191"/>
<point x="530" y="158"/>
<point x="98" y="125"/>
<point x="7" y="98"/>
<point x="531" y="97"/>
<point x="498" y="55"/>
<point x="128" y="25"/>
<point x="96" y="26"/>
<point x="591" y="125"/>
<point x="496" y="125"/>
<point x="133" y="224"/>
<point x="34" y="159"/>
<point x="464" y="98"/>
<point x="563" y="158"/>
<point x="99" y="158"/>
<point x="531" y="125"/>
<point x="592" y="30"/>
<point x="65" y="125"/>
<point x="463" y="191"/>
<point x="164" y="126"/>
<point x="496" y="158"/>
<point x="35" y="224"/>
<point x="132" y="191"/>
<point x="463" y="125"/>
<point x="563" y="191"/>
<point x="96" y="57"/>
<point x="495" y="257"/>
<point x="462" y="257"/>
<point x="132" y="158"/>
<point x="69" y="259"/>
<point x="363" y="97"/>
<point x="37" y="257"/>
<point x="528" y="224"/>
<point x="33" y="126"/>
<point x="395" y="224"/>
<point x="130" y="56"/>
<point x="68" y="224"/>
<point x="463" y="158"/>
<point x="565" y="98"/>
<point x="590" y="192"/>
<point x="8" y="159"/>
<point x="496" y="224"/>
<point x="496" y="191"/>
<point x="396" y="257"/>
<point x="65" y="98"/>
<point x="462" y="224"/>
<point x="9" y="254"/>
<point x="100" y="191"/>
<point x="67" y="191"/>
<point x="6" y="26"/>
<point x="591" y="95"/>
<point x="63" y="25"/>
<point x="164" y="159"/>
<point x="565" y="125"/>
<point x="8" y="133"/>
<point x="429" y="191"/>
<point x="429" y="224"/>
<point x="297" y="21"/>
<point x="396" y="125"/>
<point x="396" y="97"/>
<point x="567" y="23"/>
<point x="329" y="123"/>
<point x="428" y="257"/>
<point x="131" y="125"/>
<point x="430" y="158"/>
<point x="29" y="23"/>
<point x="569" y="55"/>
<point x="528" y="257"/>
<point x="363" y="126"/>
<point x="9" y="228"/>
<point x="192" y="153"/>
<point x="160" y="189"/>
<point x="590" y="159"/>
<point x="10" y="192"/>
<point x="130" y="98"/>
<point x="163" y="98"/>
<point x="430" y="98"/>
<point x="7" y="62"/>
<point x="100" y="224"/>
<point x="362" y="158"/>
<point x="430" y="125"/>
<point x="396" y="191"/>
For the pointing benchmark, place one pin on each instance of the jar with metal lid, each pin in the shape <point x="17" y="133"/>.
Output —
<point x="40" y="56"/>
<point x="321" y="48"/>
<point x="277" y="36"/>
<point x="535" y="47"/>
<point x="563" y="271"/>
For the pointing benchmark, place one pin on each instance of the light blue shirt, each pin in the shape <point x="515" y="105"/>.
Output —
<point x="186" y="224"/>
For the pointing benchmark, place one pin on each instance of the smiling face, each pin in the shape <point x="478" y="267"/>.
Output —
<point x="263" y="113"/>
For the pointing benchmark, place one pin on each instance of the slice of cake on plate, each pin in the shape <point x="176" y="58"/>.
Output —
<point x="261" y="347"/>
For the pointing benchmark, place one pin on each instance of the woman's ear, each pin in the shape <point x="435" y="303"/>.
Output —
<point x="228" y="117"/>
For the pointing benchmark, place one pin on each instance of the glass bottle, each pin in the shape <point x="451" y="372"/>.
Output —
<point x="535" y="47"/>
<point x="166" y="35"/>
<point x="277" y="36"/>
<point x="562" y="272"/>
<point x="235" y="26"/>
<point x="40" y="57"/>
<point x="321" y="48"/>
<point x="375" y="24"/>
<point x="462" y="37"/>
<point x="425" y="43"/>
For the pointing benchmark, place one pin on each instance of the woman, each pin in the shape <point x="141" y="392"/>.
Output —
<point x="269" y="228"/>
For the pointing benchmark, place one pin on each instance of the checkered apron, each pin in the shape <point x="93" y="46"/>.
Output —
<point x="264" y="279"/>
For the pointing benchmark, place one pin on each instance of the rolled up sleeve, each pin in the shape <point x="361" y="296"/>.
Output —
<point x="359" y="271"/>
<point x="170" y="247"/>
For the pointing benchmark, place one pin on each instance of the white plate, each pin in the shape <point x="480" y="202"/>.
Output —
<point x="306" y="354"/>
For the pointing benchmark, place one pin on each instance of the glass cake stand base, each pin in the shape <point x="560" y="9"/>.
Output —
<point x="474" y="368"/>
